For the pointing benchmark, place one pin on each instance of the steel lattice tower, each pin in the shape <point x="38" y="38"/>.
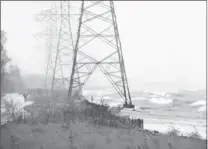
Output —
<point x="60" y="45"/>
<point x="63" y="59"/>
<point x="50" y="51"/>
<point x="51" y="40"/>
<point x="51" y="46"/>
<point x="98" y="22"/>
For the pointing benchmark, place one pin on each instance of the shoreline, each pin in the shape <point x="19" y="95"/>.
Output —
<point x="152" y="123"/>
<point x="165" y="124"/>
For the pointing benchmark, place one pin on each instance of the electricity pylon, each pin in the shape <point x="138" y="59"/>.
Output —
<point x="62" y="59"/>
<point x="98" y="21"/>
<point x="64" y="53"/>
<point x="51" y="40"/>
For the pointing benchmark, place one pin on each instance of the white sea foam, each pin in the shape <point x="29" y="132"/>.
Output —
<point x="160" y="93"/>
<point x="97" y="92"/>
<point x="139" y="98"/>
<point x="107" y="97"/>
<point x="199" y="103"/>
<point x="88" y="92"/>
<point x="114" y="104"/>
<point x="185" y="126"/>
<point x="202" y="109"/>
<point x="184" y="129"/>
<point x="161" y="100"/>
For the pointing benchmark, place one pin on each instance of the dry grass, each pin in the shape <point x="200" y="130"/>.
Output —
<point x="53" y="127"/>
<point x="54" y="136"/>
<point x="174" y="132"/>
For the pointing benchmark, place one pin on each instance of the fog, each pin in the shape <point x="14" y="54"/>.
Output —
<point x="164" y="43"/>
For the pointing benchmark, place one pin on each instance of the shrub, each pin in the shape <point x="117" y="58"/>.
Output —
<point x="174" y="132"/>
<point x="195" y="135"/>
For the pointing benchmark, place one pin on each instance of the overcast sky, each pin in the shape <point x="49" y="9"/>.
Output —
<point x="163" y="42"/>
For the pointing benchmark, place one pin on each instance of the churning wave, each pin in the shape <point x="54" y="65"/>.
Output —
<point x="161" y="100"/>
<point x="202" y="109"/>
<point x="138" y="98"/>
<point x="198" y="103"/>
<point x="201" y="104"/>
<point x="97" y="92"/>
<point x="156" y="98"/>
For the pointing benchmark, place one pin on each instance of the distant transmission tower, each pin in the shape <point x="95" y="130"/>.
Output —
<point x="51" y="40"/>
<point x="50" y="45"/>
<point x="61" y="61"/>
<point x="98" y="22"/>
<point x="65" y="48"/>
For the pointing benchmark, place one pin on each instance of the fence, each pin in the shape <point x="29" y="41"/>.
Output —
<point x="93" y="113"/>
<point x="99" y="114"/>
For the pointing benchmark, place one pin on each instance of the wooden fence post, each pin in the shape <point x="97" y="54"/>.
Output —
<point x="142" y="124"/>
<point x="139" y="123"/>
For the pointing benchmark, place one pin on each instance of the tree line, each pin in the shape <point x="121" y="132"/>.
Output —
<point x="11" y="80"/>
